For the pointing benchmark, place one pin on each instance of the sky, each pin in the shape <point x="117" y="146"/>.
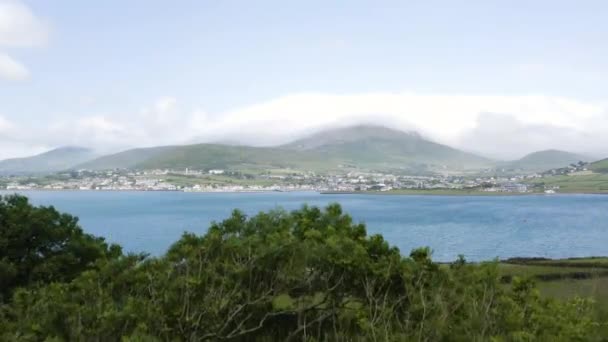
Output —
<point x="500" y="78"/>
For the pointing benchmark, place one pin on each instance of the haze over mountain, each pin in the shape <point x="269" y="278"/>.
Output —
<point x="124" y="160"/>
<point x="55" y="160"/>
<point x="369" y="147"/>
<point x="545" y="160"/>
<point x="368" y="144"/>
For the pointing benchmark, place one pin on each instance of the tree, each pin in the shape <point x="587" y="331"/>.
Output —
<point x="39" y="245"/>
<point x="308" y="275"/>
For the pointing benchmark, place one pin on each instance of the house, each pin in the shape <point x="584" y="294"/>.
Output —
<point x="514" y="187"/>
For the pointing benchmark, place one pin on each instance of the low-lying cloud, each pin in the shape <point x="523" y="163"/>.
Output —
<point x="503" y="127"/>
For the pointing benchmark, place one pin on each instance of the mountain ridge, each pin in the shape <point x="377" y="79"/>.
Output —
<point x="369" y="147"/>
<point x="545" y="160"/>
<point x="54" y="160"/>
<point x="361" y="146"/>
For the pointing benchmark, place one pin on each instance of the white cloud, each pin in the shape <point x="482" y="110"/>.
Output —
<point x="19" y="27"/>
<point x="16" y="150"/>
<point x="12" y="144"/>
<point x="504" y="136"/>
<point x="160" y="123"/>
<point x="5" y="125"/>
<point x="163" y="112"/>
<point x="11" y="69"/>
<point x="444" y="118"/>
<point x="500" y="126"/>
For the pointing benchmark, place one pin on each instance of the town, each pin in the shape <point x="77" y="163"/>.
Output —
<point x="217" y="180"/>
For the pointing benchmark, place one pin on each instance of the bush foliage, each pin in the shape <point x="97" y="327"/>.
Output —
<point x="308" y="275"/>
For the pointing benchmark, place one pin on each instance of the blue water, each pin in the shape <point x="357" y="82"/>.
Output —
<point x="481" y="228"/>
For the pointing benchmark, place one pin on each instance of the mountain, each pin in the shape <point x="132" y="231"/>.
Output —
<point x="545" y="160"/>
<point x="368" y="147"/>
<point x="55" y="160"/>
<point x="128" y="159"/>
<point x="209" y="156"/>
<point x="378" y="145"/>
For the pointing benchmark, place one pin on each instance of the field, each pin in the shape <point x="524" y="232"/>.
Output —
<point x="183" y="180"/>
<point x="565" y="278"/>
<point x="592" y="183"/>
<point x="441" y="192"/>
<point x="600" y="166"/>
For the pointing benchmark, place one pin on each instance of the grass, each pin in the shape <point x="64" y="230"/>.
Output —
<point x="595" y="262"/>
<point x="600" y="166"/>
<point x="590" y="183"/>
<point x="182" y="180"/>
<point x="565" y="279"/>
<point x="596" y="288"/>
<point x="545" y="270"/>
<point x="442" y="192"/>
<point x="555" y="269"/>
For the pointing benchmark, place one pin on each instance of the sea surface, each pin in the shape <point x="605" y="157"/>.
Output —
<point x="479" y="227"/>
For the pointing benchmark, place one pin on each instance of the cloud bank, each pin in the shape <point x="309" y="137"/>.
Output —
<point x="504" y="127"/>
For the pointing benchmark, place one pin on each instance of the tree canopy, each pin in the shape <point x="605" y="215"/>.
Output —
<point x="41" y="245"/>
<point x="309" y="275"/>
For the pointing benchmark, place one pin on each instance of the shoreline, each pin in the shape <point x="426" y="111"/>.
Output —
<point x="425" y="193"/>
<point x="136" y="190"/>
<point x="430" y="193"/>
<point x="380" y="193"/>
<point x="456" y="193"/>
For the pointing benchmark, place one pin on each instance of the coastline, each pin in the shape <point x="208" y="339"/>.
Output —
<point x="456" y="193"/>
<point x="138" y="190"/>
<point x="382" y="193"/>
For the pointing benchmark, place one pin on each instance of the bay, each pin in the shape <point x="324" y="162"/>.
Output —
<point x="479" y="227"/>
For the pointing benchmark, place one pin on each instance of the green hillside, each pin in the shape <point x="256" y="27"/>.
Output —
<point x="600" y="166"/>
<point x="213" y="156"/>
<point x="544" y="160"/>
<point x="366" y="147"/>
<point x="52" y="161"/>
<point x="126" y="159"/>
<point x="586" y="183"/>
<point x="380" y="146"/>
<point x="209" y="156"/>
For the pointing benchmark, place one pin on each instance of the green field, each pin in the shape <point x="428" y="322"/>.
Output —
<point x="600" y="166"/>
<point x="430" y="192"/>
<point x="183" y="180"/>
<point x="564" y="279"/>
<point x="592" y="183"/>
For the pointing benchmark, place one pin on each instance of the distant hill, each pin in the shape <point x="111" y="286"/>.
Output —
<point x="205" y="156"/>
<point x="55" y="160"/>
<point x="600" y="166"/>
<point x="124" y="160"/>
<point x="545" y="160"/>
<point x="377" y="145"/>
<point x="369" y="147"/>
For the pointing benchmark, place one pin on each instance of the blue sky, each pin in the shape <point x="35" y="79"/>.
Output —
<point x="114" y="74"/>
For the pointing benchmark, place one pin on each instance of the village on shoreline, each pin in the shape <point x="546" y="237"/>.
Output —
<point x="217" y="180"/>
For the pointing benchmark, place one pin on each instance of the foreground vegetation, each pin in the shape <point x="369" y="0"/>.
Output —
<point x="310" y="275"/>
